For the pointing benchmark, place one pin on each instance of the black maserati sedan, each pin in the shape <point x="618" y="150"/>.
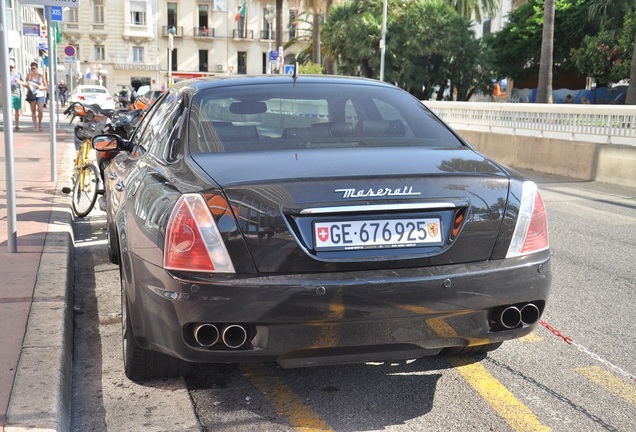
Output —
<point x="314" y="220"/>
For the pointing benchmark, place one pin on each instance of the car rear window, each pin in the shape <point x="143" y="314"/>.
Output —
<point x="93" y="90"/>
<point x="309" y="115"/>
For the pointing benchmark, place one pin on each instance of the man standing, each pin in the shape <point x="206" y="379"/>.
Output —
<point x="62" y="90"/>
<point x="16" y="93"/>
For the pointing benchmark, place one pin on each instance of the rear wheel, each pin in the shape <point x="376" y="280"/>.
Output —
<point x="477" y="349"/>
<point x="142" y="364"/>
<point x="85" y="190"/>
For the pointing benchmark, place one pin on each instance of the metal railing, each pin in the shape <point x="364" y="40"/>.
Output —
<point x="242" y="34"/>
<point x="615" y="124"/>
<point x="203" y="32"/>
<point x="178" y="31"/>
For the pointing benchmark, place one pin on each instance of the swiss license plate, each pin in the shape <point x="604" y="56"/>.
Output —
<point x="375" y="234"/>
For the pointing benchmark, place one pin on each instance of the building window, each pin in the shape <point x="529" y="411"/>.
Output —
<point x="292" y="23"/>
<point x="172" y="14"/>
<point x="486" y="27"/>
<point x="174" y="59"/>
<point x="72" y="15"/>
<point x="98" y="12"/>
<point x="241" y="62"/>
<point x="203" y="60"/>
<point x="138" y="54"/>
<point x="100" y="53"/>
<point x="137" y="13"/>
<point x="203" y="16"/>
<point x="267" y="26"/>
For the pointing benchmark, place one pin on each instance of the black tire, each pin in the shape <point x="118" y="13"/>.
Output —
<point x="477" y="349"/>
<point x="85" y="192"/>
<point x="141" y="364"/>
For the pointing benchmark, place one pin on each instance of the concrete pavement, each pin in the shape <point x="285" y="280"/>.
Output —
<point x="36" y="283"/>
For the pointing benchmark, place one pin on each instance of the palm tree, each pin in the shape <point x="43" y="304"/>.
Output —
<point x="466" y="8"/>
<point x="544" y="87"/>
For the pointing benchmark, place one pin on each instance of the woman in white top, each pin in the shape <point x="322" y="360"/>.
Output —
<point x="36" y="82"/>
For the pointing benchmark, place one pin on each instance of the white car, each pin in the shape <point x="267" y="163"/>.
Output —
<point x="93" y="94"/>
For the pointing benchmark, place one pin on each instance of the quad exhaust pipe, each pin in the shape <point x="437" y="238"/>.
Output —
<point x="232" y="336"/>
<point x="512" y="316"/>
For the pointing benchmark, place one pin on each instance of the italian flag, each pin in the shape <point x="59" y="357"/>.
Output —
<point x="241" y="13"/>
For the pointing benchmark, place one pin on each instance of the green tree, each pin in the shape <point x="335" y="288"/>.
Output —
<point x="428" y="44"/>
<point x="517" y="47"/>
<point x="609" y="14"/>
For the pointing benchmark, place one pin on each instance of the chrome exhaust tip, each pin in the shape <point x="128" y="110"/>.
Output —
<point x="234" y="336"/>
<point x="530" y="314"/>
<point x="510" y="317"/>
<point x="206" y="335"/>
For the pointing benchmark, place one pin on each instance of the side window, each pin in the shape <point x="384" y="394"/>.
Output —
<point x="139" y="141"/>
<point x="387" y="112"/>
<point x="153" y="134"/>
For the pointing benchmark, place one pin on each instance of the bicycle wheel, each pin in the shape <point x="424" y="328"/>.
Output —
<point x="85" y="190"/>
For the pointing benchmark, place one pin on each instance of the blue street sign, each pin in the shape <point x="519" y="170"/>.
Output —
<point x="273" y="55"/>
<point x="289" y="69"/>
<point x="56" y="13"/>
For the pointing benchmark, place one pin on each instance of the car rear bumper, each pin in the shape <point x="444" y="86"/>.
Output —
<point x="313" y="319"/>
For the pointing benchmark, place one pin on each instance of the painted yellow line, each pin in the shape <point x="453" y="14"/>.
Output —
<point x="610" y="381"/>
<point x="513" y="411"/>
<point x="531" y="338"/>
<point x="285" y="401"/>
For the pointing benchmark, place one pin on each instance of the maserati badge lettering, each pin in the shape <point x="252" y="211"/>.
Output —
<point x="380" y="192"/>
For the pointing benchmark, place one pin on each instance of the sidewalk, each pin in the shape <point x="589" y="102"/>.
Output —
<point x="36" y="283"/>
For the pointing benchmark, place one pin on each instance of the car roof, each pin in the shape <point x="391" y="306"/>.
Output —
<point x="241" y="80"/>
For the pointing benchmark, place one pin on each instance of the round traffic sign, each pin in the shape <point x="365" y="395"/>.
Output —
<point x="69" y="50"/>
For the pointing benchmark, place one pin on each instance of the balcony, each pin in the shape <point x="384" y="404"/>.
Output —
<point x="242" y="34"/>
<point x="268" y="35"/>
<point x="178" y="31"/>
<point x="203" y="32"/>
<point x="138" y="32"/>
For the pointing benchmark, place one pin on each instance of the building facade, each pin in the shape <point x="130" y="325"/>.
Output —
<point x="127" y="43"/>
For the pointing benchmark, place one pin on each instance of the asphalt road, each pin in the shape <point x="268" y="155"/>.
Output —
<point x="581" y="378"/>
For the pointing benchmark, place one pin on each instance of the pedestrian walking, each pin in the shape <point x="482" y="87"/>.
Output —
<point x="36" y="93"/>
<point x="17" y="81"/>
<point x="62" y="91"/>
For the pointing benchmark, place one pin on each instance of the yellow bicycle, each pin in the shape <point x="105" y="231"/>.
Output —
<point x="85" y="181"/>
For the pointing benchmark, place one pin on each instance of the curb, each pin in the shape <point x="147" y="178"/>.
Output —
<point x="41" y="395"/>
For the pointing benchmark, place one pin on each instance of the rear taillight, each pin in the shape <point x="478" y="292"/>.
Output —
<point x="193" y="241"/>
<point x="531" y="232"/>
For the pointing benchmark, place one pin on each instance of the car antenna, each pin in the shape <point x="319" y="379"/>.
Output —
<point x="295" y="74"/>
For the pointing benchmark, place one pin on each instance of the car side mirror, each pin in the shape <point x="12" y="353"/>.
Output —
<point x="107" y="142"/>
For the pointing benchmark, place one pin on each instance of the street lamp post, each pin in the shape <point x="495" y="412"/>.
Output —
<point x="269" y="16"/>
<point x="171" y="32"/>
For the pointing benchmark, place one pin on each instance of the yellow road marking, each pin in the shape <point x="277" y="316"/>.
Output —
<point x="285" y="401"/>
<point x="531" y="337"/>
<point x="513" y="411"/>
<point x="608" y="380"/>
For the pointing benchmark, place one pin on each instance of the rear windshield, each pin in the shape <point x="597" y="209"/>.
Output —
<point x="94" y="90"/>
<point x="305" y="116"/>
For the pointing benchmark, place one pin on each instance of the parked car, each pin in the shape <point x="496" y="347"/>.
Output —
<point x="311" y="221"/>
<point x="92" y="94"/>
